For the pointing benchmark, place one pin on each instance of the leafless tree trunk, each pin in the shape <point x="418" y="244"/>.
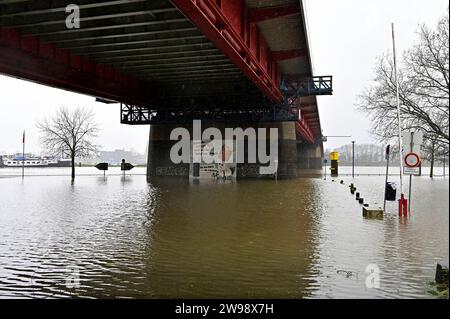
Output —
<point x="424" y="90"/>
<point x="69" y="132"/>
<point x="433" y="152"/>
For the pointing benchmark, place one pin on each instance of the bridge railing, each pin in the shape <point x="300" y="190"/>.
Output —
<point x="316" y="85"/>
<point x="293" y="90"/>
<point x="137" y="115"/>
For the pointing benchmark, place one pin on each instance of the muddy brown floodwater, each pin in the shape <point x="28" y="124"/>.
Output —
<point x="303" y="238"/>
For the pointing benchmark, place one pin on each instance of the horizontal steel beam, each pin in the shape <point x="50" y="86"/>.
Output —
<point x="179" y="68"/>
<point x="167" y="49"/>
<point x="217" y="27"/>
<point x="130" y="43"/>
<point x="200" y="72"/>
<point x="51" y="19"/>
<point x="133" y="115"/>
<point x="198" y="82"/>
<point x="192" y="63"/>
<point x="202" y="80"/>
<point x="44" y="63"/>
<point x="182" y="56"/>
<point x="125" y="31"/>
<point x="268" y="13"/>
<point x="106" y="24"/>
<point x="199" y="76"/>
<point x="107" y="34"/>
<point x="278" y="56"/>
<point x="12" y="8"/>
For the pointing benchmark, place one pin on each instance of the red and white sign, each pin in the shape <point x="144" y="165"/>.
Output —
<point x="412" y="160"/>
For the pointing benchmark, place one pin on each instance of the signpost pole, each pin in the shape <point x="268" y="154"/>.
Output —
<point x="411" y="145"/>
<point x="102" y="167"/>
<point x="388" y="152"/>
<point x="353" y="159"/>
<point x="125" y="167"/>
<point x="409" y="193"/>
<point x="23" y="155"/>
<point x="402" y="201"/>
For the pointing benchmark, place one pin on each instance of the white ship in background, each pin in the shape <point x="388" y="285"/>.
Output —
<point x="18" y="160"/>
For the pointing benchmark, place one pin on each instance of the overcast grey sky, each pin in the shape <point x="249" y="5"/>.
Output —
<point x="346" y="37"/>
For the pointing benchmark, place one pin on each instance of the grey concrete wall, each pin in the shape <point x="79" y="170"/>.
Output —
<point x="309" y="156"/>
<point x="159" y="163"/>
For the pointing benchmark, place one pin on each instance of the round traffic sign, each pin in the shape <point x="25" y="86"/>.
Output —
<point x="412" y="160"/>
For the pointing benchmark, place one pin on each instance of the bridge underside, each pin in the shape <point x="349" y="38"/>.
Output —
<point x="224" y="61"/>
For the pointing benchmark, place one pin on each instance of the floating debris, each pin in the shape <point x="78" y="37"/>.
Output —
<point x="373" y="213"/>
<point x="348" y="273"/>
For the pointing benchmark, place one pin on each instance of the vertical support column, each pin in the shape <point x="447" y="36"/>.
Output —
<point x="287" y="150"/>
<point x="310" y="156"/>
<point x="159" y="162"/>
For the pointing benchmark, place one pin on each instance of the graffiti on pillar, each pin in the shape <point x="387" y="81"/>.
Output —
<point x="247" y="170"/>
<point x="220" y="164"/>
<point x="217" y="171"/>
<point x="239" y="146"/>
<point x="172" y="171"/>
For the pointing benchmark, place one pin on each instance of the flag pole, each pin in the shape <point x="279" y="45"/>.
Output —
<point x="23" y="155"/>
<point x="402" y="202"/>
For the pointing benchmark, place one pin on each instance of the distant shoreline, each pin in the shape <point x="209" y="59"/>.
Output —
<point x="68" y="167"/>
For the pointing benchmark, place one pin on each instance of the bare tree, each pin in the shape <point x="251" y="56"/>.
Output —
<point x="69" y="132"/>
<point x="424" y="91"/>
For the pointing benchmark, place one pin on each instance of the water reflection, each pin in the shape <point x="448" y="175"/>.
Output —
<point x="406" y="250"/>
<point x="248" y="239"/>
<point x="231" y="240"/>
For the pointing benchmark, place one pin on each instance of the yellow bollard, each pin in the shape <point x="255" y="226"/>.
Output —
<point x="334" y="157"/>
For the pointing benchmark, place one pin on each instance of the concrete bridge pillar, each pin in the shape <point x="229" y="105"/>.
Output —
<point x="160" y="164"/>
<point x="287" y="151"/>
<point x="310" y="156"/>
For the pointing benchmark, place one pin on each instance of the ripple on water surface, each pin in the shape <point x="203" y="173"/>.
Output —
<point x="259" y="239"/>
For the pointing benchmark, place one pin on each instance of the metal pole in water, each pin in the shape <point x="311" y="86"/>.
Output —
<point x="410" y="176"/>
<point x="409" y="193"/>
<point x="388" y="152"/>
<point x="353" y="159"/>
<point x="23" y="155"/>
<point x="400" y="144"/>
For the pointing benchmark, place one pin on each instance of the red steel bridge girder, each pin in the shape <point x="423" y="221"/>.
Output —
<point x="227" y="25"/>
<point x="302" y="128"/>
<point x="231" y="26"/>
<point x="286" y="55"/>
<point x="31" y="59"/>
<point x="263" y="14"/>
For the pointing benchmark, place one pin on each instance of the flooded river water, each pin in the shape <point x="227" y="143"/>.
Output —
<point x="305" y="238"/>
